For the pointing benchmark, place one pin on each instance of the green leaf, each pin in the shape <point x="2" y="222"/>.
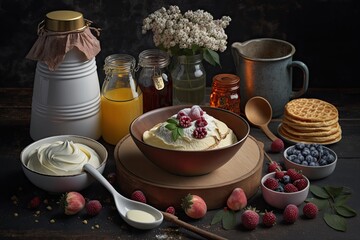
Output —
<point x="211" y="57"/>
<point x="333" y="191"/>
<point x="180" y="131"/>
<point x="345" y="211"/>
<point x="172" y="121"/>
<point x="335" y="221"/>
<point x="218" y="217"/>
<point x="319" y="192"/>
<point x="341" y="200"/>
<point x="229" y="220"/>
<point x="320" y="203"/>
<point x="171" y="126"/>
<point x="174" y="134"/>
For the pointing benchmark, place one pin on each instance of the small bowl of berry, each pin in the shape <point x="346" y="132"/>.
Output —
<point x="314" y="160"/>
<point x="281" y="188"/>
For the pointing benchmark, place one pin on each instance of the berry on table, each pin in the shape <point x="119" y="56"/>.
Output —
<point x="194" y="206"/>
<point x="72" y="202"/>
<point x="250" y="218"/>
<point x="93" y="207"/>
<point x="139" y="196"/>
<point x="269" y="219"/>
<point x="310" y="210"/>
<point x="291" y="213"/>
<point x="170" y="210"/>
<point x="34" y="202"/>
<point x="237" y="199"/>
<point x="277" y="145"/>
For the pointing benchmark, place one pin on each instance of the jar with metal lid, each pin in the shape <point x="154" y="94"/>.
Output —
<point x="225" y="92"/>
<point x="121" y="97"/>
<point x="154" y="79"/>
<point x="66" y="93"/>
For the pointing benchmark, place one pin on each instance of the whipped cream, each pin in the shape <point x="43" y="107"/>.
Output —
<point x="218" y="135"/>
<point x="62" y="158"/>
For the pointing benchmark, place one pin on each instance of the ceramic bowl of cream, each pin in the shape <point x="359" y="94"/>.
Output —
<point x="55" y="164"/>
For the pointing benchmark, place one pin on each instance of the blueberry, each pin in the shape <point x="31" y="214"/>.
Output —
<point x="305" y="152"/>
<point x="312" y="164"/>
<point x="304" y="163"/>
<point x="290" y="151"/>
<point x="309" y="158"/>
<point x="297" y="161"/>
<point x="330" y="159"/>
<point x="286" y="179"/>
<point x="301" y="157"/>
<point x="300" y="146"/>
<point x="322" y="162"/>
<point x="280" y="189"/>
<point x="314" y="153"/>
<point x="292" y="157"/>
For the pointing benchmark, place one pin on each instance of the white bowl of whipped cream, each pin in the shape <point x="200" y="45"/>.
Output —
<point x="55" y="164"/>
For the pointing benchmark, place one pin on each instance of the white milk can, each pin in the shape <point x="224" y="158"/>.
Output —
<point x="66" y="93"/>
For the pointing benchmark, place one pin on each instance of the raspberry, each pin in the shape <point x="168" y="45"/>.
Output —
<point x="196" y="112"/>
<point x="200" y="132"/>
<point x="269" y="219"/>
<point x="250" y="219"/>
<point x="300" y="184"/>
<point x="273" y="166"/>
<point x="271" y="183"/>
<point x="290" y="213"/>
<point x="310" y="210"/>
<point x="290" y="188"/>
<point x="293" y="174"/>
<point x="170" y="210"/>
<point x="34" y="202"/>
<point x="93" y="207"/>
<point x="279" y="174"/>
<point x="185" y="121"/>
<point x="138" y="196"/>
<point x="201" y="122"/>
<point x="277" y="145"/>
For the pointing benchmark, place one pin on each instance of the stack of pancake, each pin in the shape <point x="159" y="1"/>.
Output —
<point x="310" y="120"/>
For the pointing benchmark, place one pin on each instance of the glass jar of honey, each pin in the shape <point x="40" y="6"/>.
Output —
<point x="121" y="97"/>
<point x="225" y="92"/>
<point x="154" y="79"/>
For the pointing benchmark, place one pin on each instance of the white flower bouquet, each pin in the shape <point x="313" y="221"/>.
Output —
<point x="194" y="32"/>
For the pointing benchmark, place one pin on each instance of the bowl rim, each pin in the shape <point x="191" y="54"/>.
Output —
<point x="192" y="151"/>
<point x="83" y="173"/>
<point x="307" y="166"/>
<point x="266" y="176"/>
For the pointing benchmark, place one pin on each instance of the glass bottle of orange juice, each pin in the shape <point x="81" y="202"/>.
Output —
<point x="121" y="97"/>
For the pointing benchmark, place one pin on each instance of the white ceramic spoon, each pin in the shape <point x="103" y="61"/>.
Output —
<point x="124" y="205"/>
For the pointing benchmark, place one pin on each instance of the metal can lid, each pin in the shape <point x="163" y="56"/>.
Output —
<point x="64" y="21"/>
<point x="226" y="79"/>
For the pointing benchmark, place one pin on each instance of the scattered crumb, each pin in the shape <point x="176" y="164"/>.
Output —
<point x="97" y="226"/>
<point x="36" y="220"/>
<point x="52" y="220"/>
<point x="16" y="214"/>
<point x="85" y="221"/>
<point x="49" y="208"/>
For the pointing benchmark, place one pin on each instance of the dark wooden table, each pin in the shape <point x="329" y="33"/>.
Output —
<point x="17" y="221"/>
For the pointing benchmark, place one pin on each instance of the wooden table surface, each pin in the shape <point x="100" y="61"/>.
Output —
<point x="17" y="221"/>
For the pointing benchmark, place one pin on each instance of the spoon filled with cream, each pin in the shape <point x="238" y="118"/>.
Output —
<point x="136" y="214"/>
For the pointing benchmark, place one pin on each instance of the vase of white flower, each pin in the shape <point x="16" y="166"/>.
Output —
<point x="189" y="38"/>
<point x="189" y="80"/>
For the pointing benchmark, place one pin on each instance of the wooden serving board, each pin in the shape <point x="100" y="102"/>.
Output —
<point x="163" y="189"/>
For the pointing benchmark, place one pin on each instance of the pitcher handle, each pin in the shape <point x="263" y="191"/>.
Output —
<point x="305" y="85"/>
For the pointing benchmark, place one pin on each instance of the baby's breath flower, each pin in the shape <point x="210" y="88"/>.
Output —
<point x="175" y="31"/>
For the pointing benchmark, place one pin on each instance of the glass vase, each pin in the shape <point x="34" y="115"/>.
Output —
<point x="189" y="80"/>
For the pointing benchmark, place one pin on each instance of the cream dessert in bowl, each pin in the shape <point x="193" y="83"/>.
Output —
<point x="191" y="129"/>
<point x="62" y="158"/>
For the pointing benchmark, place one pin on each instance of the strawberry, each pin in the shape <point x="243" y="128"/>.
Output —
<point x="93" y="207"/>
<point x="194" y="206"/>
<point x="310" y="210"/>
<point x="237" y="199"/>
<point x="290" y="188"/>
<point x="195" y="112"/>
<point x="293" y="174"/>
<point x="269" y="219"/>
<point x="271" y="183"/>
<point x="72" y="202"/>
<point x="273" y="166"/>
<point x="138" y="196"/>
<point x="34" y="202"/>
<point x="290" y="213"/>
<point x="250" y="218"/>
<point x="277" y="145"/>
<point x="170" y="210"/>
<point x="300" y="184"/>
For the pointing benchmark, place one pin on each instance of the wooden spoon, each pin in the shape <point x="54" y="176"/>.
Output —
<point x="259" y="112"/>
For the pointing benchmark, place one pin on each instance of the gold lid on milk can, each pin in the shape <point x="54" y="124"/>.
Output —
<point x="64" y="21"/>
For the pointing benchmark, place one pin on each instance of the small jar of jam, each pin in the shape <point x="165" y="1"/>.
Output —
<point x="225" y="92"/>
<point x="154" y="79"/>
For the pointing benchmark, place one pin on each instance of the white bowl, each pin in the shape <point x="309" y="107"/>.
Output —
<point x="60" y="184"/>
<point x="282" y="199"/>
<point x="311" y="172"/>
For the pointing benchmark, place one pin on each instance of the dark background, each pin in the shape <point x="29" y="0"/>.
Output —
<point x="324" y="32"/>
